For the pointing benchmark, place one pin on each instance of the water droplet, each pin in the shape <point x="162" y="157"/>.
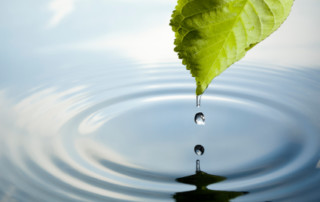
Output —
<point x="199" y="150"/>
<point x="198" y="103"/>
<point x="198" y="165"/>
<point x="199" y="119"/>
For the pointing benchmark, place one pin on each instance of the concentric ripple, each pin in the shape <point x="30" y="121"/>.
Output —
<point x="129" y="133"/>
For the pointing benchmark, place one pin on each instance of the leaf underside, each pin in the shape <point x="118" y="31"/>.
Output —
<point x="213" y="34"/>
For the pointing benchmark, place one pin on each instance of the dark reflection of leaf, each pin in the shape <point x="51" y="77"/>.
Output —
<point x="202" y="194"/>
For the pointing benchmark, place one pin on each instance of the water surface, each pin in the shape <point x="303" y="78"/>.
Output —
<point x="131" y="140"/>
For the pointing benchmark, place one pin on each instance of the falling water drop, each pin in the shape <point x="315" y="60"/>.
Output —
<point x="199" y="150"/>
<point x="198" y="103"/>
<point x="199" y="119"/>
<point x="198" y="165"/>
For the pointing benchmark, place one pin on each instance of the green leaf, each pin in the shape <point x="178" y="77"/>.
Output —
<point x="213" y="34"/>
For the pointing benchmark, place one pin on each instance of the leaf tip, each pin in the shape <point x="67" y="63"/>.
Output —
<point x="200" y="88"/>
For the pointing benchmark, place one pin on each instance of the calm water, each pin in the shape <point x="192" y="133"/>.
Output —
<point x="95" y="106"/>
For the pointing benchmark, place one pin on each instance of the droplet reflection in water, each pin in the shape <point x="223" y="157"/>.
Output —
<point x="199" y="119"/>
<point x="199" y="150"/>
<point x="202" y="181"/>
